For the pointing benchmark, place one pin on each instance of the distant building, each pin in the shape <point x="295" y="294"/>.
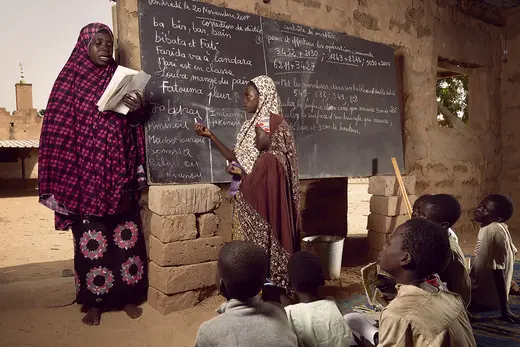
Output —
<point x="25" y="123"/>
<point x="19" y="138"/>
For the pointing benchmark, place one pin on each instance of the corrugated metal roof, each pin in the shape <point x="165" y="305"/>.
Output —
<point x="19" y="143"/>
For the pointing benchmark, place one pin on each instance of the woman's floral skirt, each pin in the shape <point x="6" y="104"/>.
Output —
<point x="110" y="262"/>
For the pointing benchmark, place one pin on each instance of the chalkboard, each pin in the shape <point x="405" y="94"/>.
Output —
<point x="338" y="92"/>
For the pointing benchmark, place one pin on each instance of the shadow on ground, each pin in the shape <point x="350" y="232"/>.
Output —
<point x="35" y="271"/>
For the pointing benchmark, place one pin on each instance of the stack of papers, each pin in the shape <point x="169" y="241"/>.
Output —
<point x="124" y="81"/>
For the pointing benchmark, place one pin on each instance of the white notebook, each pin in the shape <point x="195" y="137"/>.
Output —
<point x="123" y="81"/>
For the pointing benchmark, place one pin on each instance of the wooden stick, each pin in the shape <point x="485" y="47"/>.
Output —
<point x="402" y="187"/>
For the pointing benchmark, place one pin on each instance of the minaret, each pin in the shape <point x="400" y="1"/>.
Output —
<point x="24" y="99"/>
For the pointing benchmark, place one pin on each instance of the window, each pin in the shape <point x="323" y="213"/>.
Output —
<point x="452" y="92"/>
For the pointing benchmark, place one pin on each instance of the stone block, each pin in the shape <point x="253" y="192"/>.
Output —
<point x="225" y="214"/>
<point x="208" y="225"/>
<point x="184" y="252"/>
<point x="377" y="240"/>
<point x="183" y="199"/>
<point x="172" y="228"/>
<point x="166" y="304"/>
<point x="390" y="205"/>
<point x="389" y="186"/>
<point x="179" y="279"/>
<point x="385" y="224"/>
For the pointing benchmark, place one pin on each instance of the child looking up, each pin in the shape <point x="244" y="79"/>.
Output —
<point x="245" y="320"/>
<point x="316" y="322"/>
<point x="423" y="312"/>
<point x="417" y="206"/>
<point x="444" y="209"/>
<point x="492" y="270"/>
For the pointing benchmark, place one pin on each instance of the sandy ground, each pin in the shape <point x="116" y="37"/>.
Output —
<point x="29" y="236"/>
<point x="62" y="327"/>
<point x="35" y="300"/>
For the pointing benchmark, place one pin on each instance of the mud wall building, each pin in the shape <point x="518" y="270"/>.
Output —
<point x="23" y="124"/>
<point x="430" y="37"/>
<point x="468" y="162"/>
<point x="510" y="93"/>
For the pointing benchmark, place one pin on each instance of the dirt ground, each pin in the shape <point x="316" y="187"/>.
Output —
<point x="32" y="239"/>
<point x="35" y="300"/>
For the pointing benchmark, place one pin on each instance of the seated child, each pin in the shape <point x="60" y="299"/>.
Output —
<point x="417" y="211"/>
<point x="315" y="321"/>
<point x="245" y="320"/>
<point x="387" y="284"/>
<point x="423" y="312"/>
<point x="445" y="210"/>
<point x="492" y="270"/>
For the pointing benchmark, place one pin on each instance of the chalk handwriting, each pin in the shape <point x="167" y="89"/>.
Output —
<point x="166" y="3"/>
<point x="171" y="151"/>
<point x="167" y="140"/>
<point x="231" y="60"/>
<point x="174" y="110"/>
<point x="167" y="38"/>
<point x="201" y="57"/>
<point x="166" y="87"/>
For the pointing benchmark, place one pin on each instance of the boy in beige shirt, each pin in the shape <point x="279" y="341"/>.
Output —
<point x="492" y="270"/>
<point x="423" y="312"/>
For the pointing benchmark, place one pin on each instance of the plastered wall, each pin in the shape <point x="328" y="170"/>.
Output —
<point x="510" y="93"/>
<point x="21" y="125"/>
<point x="464" y="162"/>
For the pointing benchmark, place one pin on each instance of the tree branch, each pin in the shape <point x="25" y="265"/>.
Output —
<point x="454" y="121"/>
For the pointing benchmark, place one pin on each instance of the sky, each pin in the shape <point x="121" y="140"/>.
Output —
<point x="41" y="35"/>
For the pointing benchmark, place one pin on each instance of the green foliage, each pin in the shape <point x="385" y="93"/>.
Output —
<point x="453" y="94"/>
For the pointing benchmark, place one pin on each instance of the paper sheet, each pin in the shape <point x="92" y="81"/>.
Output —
<point x="372" y="277"/>
<point x="363" y="325"/>
<point x="124" y="81"/>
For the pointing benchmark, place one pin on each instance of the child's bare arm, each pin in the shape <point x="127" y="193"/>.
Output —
<point x="500" y="283"/>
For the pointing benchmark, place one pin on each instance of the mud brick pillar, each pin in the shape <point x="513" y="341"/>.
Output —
<point x="183" y="244"/>
<point x="387" y="209"/>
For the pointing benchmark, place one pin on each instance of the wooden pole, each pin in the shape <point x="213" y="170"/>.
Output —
<point x="23" y="153"/>
<point x="402" y="187"/>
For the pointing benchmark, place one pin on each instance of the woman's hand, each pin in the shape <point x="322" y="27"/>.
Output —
<point x="201" y="130"/>
<point x="234" y="171"/>
<point x="134" y="103"/>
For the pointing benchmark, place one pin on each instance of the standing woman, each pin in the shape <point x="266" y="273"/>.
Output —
<point x="267" y="203"/>
<point x="91" y="167"/>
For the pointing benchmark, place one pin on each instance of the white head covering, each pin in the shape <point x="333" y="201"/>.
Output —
<point x="269" y="103"/>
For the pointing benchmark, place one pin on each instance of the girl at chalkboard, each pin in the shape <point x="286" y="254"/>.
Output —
<point x="266" y="207"/>
<point x="260" y="97"/>
<point x="256" y="101"/>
